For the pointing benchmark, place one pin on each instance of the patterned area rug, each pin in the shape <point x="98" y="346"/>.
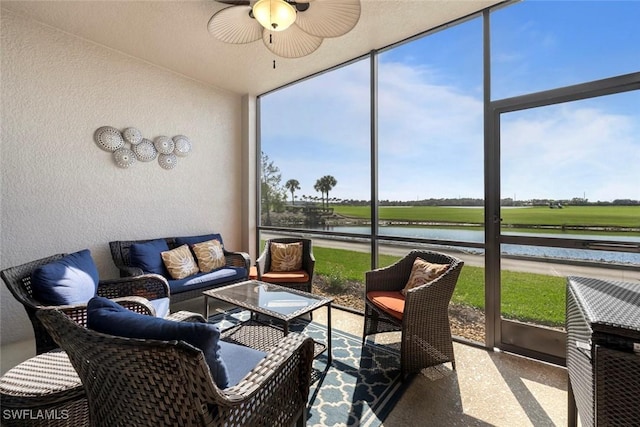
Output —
<point x="360" y="386"/>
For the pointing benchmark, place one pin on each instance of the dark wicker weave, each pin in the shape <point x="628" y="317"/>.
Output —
<point x="120" y="254"/>
<point x="426" y="332"/>
<point x="603" y="333"/>
<point x="44" y="391"/>
<point x="132" y="382"/>
<point x="18" y="280"/>
<point x="263" y="263"/>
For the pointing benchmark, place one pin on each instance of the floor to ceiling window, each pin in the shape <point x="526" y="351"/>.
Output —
<point x="315" y="144"/>
<point x="430" y="151"/>
<point x="568" y="182"/>
<point x="554" y="187"/>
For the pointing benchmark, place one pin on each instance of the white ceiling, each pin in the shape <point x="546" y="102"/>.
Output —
<point x="173" y="35"/>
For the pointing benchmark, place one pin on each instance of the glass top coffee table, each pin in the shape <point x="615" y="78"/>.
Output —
<point x="277" y="302"/>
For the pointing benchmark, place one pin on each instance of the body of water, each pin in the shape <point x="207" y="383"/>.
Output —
<point x="477" y="236"/>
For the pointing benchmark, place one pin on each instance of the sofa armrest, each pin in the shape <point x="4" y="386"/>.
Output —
<point x="237" y="259"/>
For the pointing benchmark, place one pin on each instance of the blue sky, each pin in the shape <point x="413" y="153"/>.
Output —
<point x="430" y="121"/>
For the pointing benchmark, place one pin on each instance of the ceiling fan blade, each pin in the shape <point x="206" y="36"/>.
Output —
<point x="234" y="25"/>
<point x="291" y="43"/>
<point x="329" y="18"/>
<point x="235" y="2"/>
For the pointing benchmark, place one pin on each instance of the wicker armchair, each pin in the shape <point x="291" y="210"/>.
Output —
<point x="18" y="280"/>
<point x="152" y="383"/>
<point x="426" y="332"/>
<point x="300" y="280"/>
<point x="48" y="382"/>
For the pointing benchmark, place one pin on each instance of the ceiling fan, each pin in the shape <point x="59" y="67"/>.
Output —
<point x="288" y="28"/>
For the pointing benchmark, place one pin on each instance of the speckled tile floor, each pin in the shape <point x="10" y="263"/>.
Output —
<point x="486" y="389"/>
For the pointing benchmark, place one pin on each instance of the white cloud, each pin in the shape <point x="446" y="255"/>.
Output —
<point x="431" y="140"/>
<point x="569" y="151"/>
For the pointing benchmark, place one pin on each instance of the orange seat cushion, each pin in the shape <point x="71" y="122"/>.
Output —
<point x="298" y="276"/>
<point x="391" y="302"/>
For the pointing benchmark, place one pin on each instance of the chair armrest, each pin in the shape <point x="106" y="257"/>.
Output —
<point x="384" y="279"/>
<point x="311" y="265"/>
<point x="273" y="371"/>
<point x="78" y="312"/>
<point x="261" y="263"/>
<point x="149" y="286"/>
<point x="137" y="304"/>
<point x="237" y="259"/>
<point x="186" y="316"/>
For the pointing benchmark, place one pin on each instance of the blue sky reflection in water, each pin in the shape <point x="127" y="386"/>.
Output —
<point x="431" y="111"/>
<point x="477" y="236"/>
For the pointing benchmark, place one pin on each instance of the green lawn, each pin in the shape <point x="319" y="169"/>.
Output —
<point x="615" y="216"/>
<point x="526" y="297"/>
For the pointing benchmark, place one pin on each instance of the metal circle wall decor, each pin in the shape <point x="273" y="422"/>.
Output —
<point x="164" y="144"/>
<point x="167" y="161"/>
<point x="145" y="150"/>
<point x="124" y="157"/>
<point x="129" y="146"/>
<point x="182" y="146"/>
<point x="108" y="138"/>
<point x="132" y="136"/>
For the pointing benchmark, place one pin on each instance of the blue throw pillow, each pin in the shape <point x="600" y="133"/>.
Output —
<point x="192" y="240"/>
<point x="108" y="317"/>
<point x="72" y="279"/>
<point x="147" y="256"/>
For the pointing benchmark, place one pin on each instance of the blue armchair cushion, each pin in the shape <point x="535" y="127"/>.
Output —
<point x="147" y="256"/>
<point x="72" y="279"/>
<point x="161" y="305"/>
<point x="108" y="317"/>
<point x="192" y="240"/>
<point x="244" y="360"/>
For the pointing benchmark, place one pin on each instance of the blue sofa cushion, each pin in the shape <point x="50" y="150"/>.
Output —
<point x="147" y="256"/>
<point x="192" y="240"/>
<point x="108" y="317"/>
<point x="72" y="279"/>
<point x="244" y="360"/>
<point x="202" y="280"/>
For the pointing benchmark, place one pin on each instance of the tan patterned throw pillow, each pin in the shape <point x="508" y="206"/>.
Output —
<point x="286" y="256"/>
<point x="423" y="272"/>
<point x="179" y="262"/>
<point x="210" y="255"/>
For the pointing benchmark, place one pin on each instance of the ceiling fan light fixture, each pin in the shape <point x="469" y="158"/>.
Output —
<point x="274" y="15"/>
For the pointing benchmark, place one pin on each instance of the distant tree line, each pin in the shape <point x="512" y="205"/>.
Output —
<point x="274" y="196"/>
<point x="468" y="201"/>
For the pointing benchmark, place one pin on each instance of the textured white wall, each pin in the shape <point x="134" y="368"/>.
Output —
<point x="61" y="193"/>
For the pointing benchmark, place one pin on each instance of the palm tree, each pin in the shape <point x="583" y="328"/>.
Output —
<point x="292" y="185"/>
<point x="318" y="187"/>
<point x="324" y="185"/>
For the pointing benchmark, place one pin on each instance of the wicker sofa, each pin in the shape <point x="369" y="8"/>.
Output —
<point x="236" y="266"/>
